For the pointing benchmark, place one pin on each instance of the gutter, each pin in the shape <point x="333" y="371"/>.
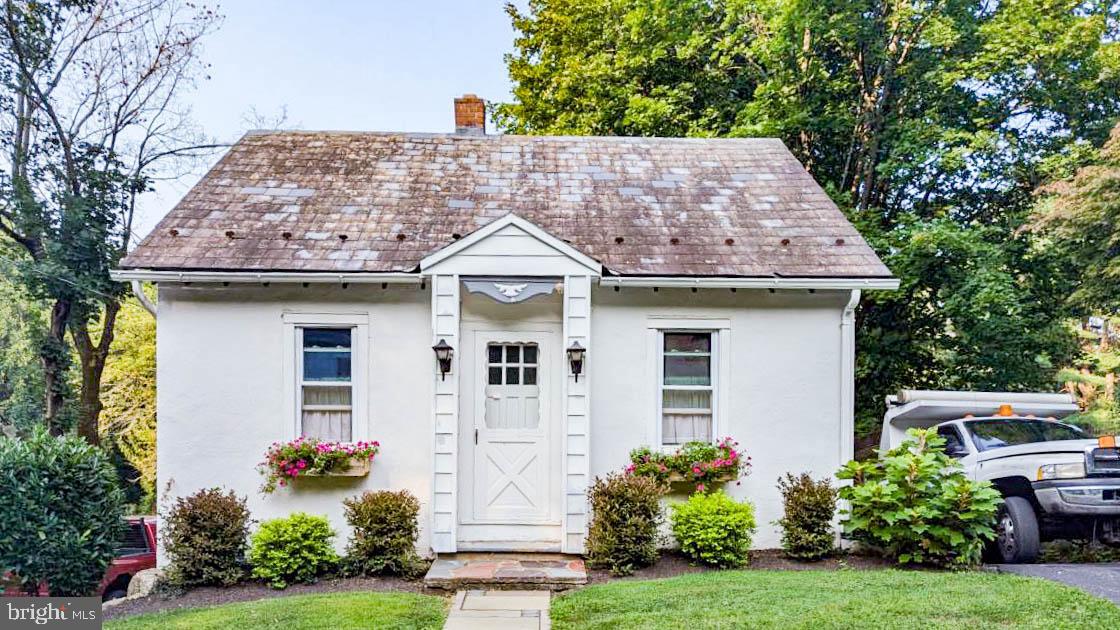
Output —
<point x="254" y="277"/>
<point x="749" y="283"/>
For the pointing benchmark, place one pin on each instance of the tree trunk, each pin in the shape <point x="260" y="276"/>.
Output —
<point x="53" y="353"/>
<point x="93" y="359"/>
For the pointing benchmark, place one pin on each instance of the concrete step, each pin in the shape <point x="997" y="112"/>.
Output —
<point x="506" y="571"/>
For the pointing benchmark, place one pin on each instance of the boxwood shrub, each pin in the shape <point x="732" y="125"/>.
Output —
<point x="205" y="536"/>
<point x="625" y="515"/>
<point x="714" y="529"/>
<point x="62" y="513"/>
<point x="296" y="549"/>
<point x="384" y="535"/>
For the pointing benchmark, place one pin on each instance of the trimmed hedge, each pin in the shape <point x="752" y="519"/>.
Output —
<point x="205" y="536"/>
<point x="384" y="534"/>
<point x="625" y="514"/>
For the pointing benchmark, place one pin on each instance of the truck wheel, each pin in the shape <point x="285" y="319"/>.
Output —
<point x="1017" y="539"/>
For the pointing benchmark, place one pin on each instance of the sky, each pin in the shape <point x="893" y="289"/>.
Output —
<point x="372" y="65"/>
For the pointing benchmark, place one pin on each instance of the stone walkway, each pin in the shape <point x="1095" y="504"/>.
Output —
<point x="499" y="610"/>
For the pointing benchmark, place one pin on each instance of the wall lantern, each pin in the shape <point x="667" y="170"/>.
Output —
<point x="575" y="358"/>
<point x="443" y="351"/>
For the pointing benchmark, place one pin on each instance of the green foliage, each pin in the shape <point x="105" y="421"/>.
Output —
<point x="625" y="515"/>
<point x="205" y="536"/>
<point x="296" y="549"/>
<point x="1080" y="216"/>
<point x="700" y="463"/>
<point x="807" y="520"/>
<point x="21" y="376"/>
<point x="712" y="528"/>
<point x="128" y="393"/>
<point x="63" y="513"/>
<point x="918" y="506"/>
<point x="930" y="123"/>
<point x="385" y="530"/>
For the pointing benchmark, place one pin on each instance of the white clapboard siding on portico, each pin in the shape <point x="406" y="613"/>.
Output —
<point x="445" y="325"/>
<point x="577" y="430"/>
<point x="509" y="246"/>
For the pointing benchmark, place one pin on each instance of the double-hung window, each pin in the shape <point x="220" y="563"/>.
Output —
<point x="325" y="373"/>
<point x="690" y="375"/>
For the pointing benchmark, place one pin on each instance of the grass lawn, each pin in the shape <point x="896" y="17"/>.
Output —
<point x="336" y="611"/>
<point x="833" y="599"/>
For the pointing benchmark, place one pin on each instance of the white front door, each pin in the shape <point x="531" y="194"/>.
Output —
<point x="509" y="471"/>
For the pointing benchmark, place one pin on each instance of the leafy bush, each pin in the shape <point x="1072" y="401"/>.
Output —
<point x="384" y="534"/>
<point x="285" y="461"/>
<point x="62" y="513"/>
<point x="699" y="463"/>
<point x="714" y="529"/>
<point x="625" y="515"/>
<point x="205" y="536"/>
<point x="807" y="520"/>
<point x="916" y="504"/>
<point x="292" y="550"/>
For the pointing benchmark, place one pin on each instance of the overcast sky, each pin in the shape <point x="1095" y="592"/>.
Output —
<point x="383" y="65"/>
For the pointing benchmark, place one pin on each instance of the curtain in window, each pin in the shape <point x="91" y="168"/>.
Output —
<point x="326" y="413"/>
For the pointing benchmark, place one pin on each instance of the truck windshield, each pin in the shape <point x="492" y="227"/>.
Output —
<point x="997" y="433"/>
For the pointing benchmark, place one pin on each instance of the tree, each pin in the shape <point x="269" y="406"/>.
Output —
<point x="89" y="118"/>
<point x="129" y="395"/>
<point x="930" y="122"/>
<point x="1080" y="217"/>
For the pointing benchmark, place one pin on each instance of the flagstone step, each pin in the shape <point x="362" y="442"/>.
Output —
<point x="506" y="570"/>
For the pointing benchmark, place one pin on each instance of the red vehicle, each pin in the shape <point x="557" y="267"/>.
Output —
<point x="136" y="552"/>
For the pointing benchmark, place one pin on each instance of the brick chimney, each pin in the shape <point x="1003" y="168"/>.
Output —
<point x="470" y="115"/>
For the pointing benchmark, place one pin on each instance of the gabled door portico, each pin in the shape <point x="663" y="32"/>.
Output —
<point x="511" y="460"/>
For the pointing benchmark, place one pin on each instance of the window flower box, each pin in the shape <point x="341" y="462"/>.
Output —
<point x="699" y="463"/>
<point x="285" y="462"/>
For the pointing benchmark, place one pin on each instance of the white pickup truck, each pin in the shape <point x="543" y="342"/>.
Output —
<point x="1057" y="482"/>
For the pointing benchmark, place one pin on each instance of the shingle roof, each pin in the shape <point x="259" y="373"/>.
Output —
<point x="377" y="202"/>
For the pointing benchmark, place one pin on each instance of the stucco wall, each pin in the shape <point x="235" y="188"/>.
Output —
<point x="221" y="393"/>
<point x="783" y="401"/>
<point x="221" y="390"/>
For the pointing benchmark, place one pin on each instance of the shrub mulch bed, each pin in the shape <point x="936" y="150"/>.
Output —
<point x="673" y="564"/>
<point x="249" y="591"/>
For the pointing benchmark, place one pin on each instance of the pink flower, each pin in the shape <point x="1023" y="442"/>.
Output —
<point x="700" y="487"/>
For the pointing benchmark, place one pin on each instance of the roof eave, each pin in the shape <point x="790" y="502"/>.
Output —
<point x="886" y="283"/>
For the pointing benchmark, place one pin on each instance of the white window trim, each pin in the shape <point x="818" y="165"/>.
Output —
<point x="720" y="329"/>
<point x="359" y="368"/>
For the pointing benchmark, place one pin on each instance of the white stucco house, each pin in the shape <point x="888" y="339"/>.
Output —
<point x="305" y="280"/>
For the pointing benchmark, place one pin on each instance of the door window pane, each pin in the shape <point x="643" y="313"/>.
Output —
<point x="495" y="376"/>
<point x="513" y="354"/>
<point x="530" y="376"/>
<point x="512" y="376"/>
<point x="494" y="353"/>
<point x="530" y="354"/>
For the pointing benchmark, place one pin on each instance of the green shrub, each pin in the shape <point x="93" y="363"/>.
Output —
<point x="807" y="519"/>
<point x="714" y="529"/>
<point x="296" y="549"/>
<point x="62" y="513"/>
<point x="916" y="504"/>
<point x="384" y="534"/>
<point x="625" y="515"/>
<point x="205" y="536"/>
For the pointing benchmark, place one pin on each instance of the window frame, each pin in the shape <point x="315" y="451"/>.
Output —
<point x="294" y="325"/>
<point x="720" y="334"/>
